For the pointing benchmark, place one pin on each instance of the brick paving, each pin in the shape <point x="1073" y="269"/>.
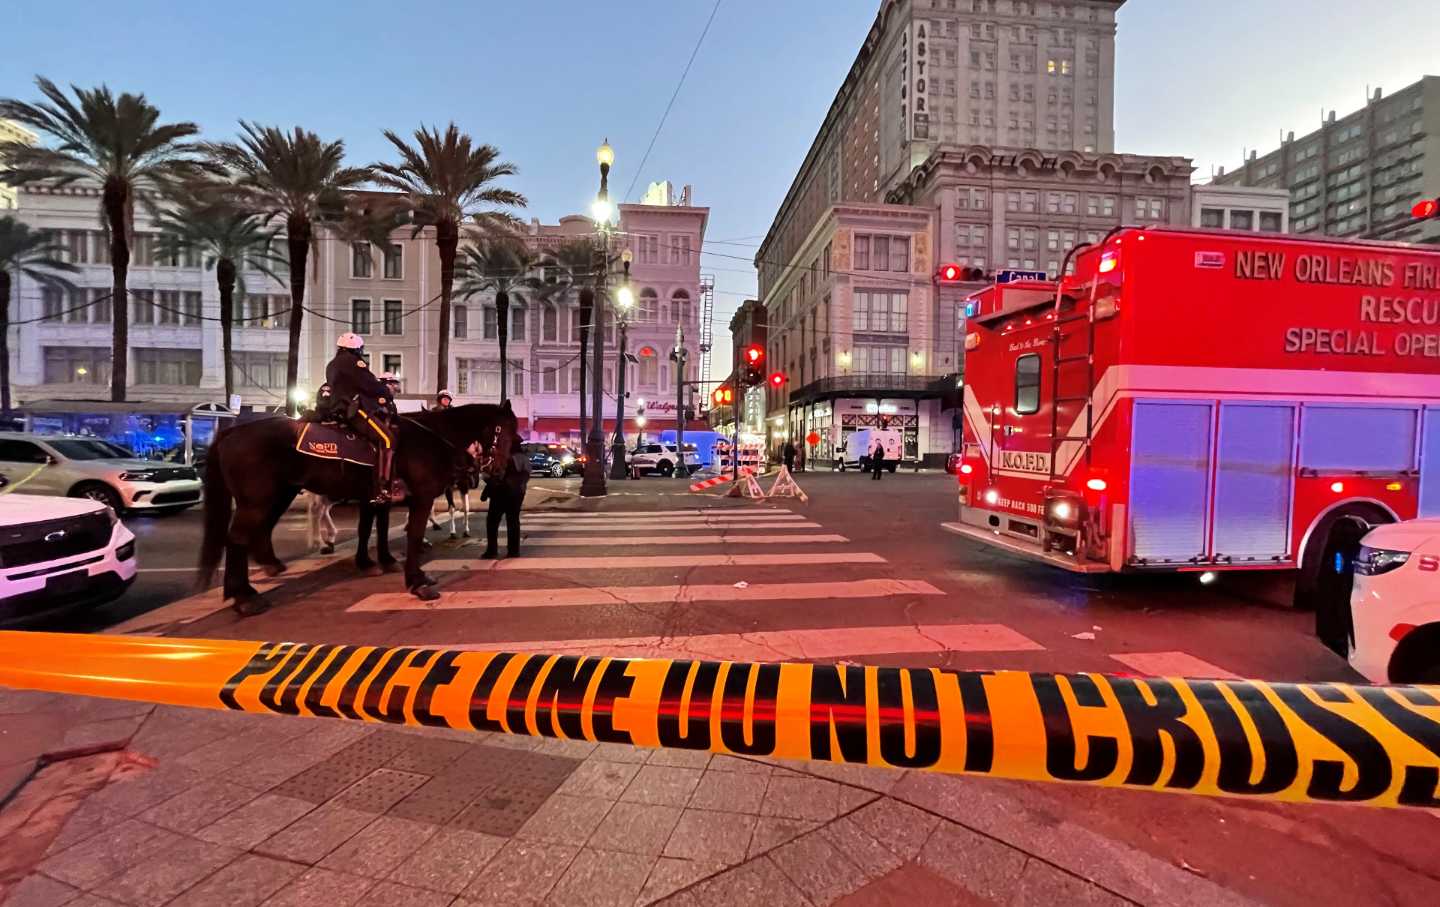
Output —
<point x="334" y="814"/>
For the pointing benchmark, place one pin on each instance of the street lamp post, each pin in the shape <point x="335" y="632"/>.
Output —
<point x="624" y="305"/>
<point x="593" y="483"/>
<point x="679" y="355"/>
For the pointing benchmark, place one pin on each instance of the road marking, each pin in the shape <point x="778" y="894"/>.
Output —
<point x="630" y="562"/>
<point x="790" y="645"/>
<point x="689" y="540"/>
<point x="688" y="518"/>
<point x="677" y="514"/>
<point x="769" y="525"/>
<point x="565" y="597"/>
<point x="1172" y="664"/>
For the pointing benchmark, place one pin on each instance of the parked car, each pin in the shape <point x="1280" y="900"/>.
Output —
<point x="59" y="555"/>
<point x="663" y="459"/>
<point x="555" y="460"/>
<point x="1395" y="603"/>
<point x="76" y="467"/>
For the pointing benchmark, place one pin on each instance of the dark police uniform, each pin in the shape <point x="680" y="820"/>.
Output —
<point x="350" y="379"/>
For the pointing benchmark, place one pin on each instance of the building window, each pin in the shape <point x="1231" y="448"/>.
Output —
<point x="649" y="312"/>
<point x="100" y="246"/>
<point x="142" y="306"/>
<point x="76" y="311"/>
<point x="880" y="253"/>
<point x="862" y="253"/>
<point x="491" y="327"/>
<point x="76" y="365"/>
<point x="1212" y="217"/>
<point x="178" y="367"/>
<point x="394" y="261"/>
<point x="462" y="322"/>
<point x="393" y="363"/>
<point x="260" y="369"/>
<point x="394" y="316"/>
<point x="1027" y="384"/>
<point x="880" y="312"/>
<point x="517" y="319"/>
<point x="361" y="263"/>
<point x="549" y="323"/>
<point x="52" y="303"/>
<point x="680" y="301"/>
<point x="1271" y="222"/>
<point x="1242" y="220"/>
<point x="100" y="305"/>
<point x="360" y="316"/>
<point x="142" y="255"/>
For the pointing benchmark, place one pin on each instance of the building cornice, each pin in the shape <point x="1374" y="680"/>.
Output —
<point x="961" y="161"/>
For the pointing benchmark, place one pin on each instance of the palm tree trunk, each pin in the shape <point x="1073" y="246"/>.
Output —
<point x="502" y="334"/>
<point x="115" y="202"/>
<point x="4" y="342"/>
<point x="585" y="311"/>
<point x="225" y="277"/>
<point x="297" y="238"/>
<point x="447" y="240"/>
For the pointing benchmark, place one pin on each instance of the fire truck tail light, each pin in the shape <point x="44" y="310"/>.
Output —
<point x="1096" y="485"/>
<point x="972" y="340"/>
<point x="966" y="469"/>
<point x="992" y="497"/>
<point x="1337" y="487"/>
<point x="1395" y="486"/>
<point x="1109" y="262"/>
<point x="1106" y="308"/>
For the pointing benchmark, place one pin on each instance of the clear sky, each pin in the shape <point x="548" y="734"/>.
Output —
<point x="546" y="80"/>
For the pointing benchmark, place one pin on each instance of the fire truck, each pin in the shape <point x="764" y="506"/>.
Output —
<point x="1201" y="400"/>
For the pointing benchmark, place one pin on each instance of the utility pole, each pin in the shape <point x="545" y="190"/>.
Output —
<point x="678" y="355"/>
<point x="593" y="483"/>
<point x="735" y="408"/>
<point x="624" y="300"/>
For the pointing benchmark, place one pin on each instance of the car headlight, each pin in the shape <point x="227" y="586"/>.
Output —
<point x="137" y="476"/>
<point x="567" y="459"/>
<point x="1375" y="561"/>
<point x="111" y="516"/>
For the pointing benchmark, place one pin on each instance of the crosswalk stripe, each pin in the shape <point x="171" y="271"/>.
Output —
<point x="727" y="539"/>
<point x="564" y="597"/>
<point x="631" y="562"/>
<point x="770" y="525"/>
<point x="657" y="514"/>
<point x="717" y="520"/>
<point x="1172" y="664"/>
<point x="790" y="645"/>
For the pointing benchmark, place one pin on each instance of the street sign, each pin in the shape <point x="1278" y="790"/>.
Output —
<point x="1009" y="276"/>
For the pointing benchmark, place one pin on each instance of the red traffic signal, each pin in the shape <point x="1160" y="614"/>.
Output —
<point x="950" y="273"/>
<point x="1427" y="209"/>
<point x="953" y="273"/>
<point x="754" y="354"/>
<point x="722" y="396"/>
<point x="777" y="380"/>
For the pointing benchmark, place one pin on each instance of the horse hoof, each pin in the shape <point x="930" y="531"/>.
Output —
<point x="425" y="543"/>
<point x="327" y="549"/>
<point x="453" y="536"/>
<point x="425" y="593"/>
<point x="467" y="533"/>
<point x="428" y="580"/>
<point x="489" y="554"/>
<point x="249" y="607"/>
<point x="372" y="570"/>
<point x="391" y="567"/>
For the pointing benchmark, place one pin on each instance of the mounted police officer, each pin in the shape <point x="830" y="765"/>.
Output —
<point x="443" y="400"/>
<point x="366" y="400"/>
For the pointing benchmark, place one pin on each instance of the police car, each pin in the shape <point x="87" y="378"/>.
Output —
<point x="1395" y="604"/>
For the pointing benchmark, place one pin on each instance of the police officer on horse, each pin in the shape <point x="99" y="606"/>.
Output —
<point x="366" y="400"/>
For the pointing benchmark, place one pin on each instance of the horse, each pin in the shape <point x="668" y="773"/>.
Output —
<point x="466" y="481"/>
<point x="322" y="534"/>
<point x="254" y="473"/>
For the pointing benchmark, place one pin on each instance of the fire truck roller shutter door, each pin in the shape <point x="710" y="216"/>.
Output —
<point x="1169" y="477"/>
<point x="1254" y="475"/>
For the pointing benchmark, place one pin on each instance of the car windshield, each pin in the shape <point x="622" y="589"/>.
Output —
<point x="90" y="450"/>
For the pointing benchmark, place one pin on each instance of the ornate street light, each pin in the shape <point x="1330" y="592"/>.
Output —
<point x="624" y="305"/>
<point x="593" y="483"/>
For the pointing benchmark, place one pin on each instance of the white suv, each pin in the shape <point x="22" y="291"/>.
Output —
<point x="76" y="467"/>
<point x="663" y="459"/>
<point x="59" y="554"/>
<point x="1395" y="604"/>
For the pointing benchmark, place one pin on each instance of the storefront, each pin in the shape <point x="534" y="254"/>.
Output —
<point x="169" y="432"/>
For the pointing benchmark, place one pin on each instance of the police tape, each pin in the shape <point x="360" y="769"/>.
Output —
<point x="1370" y="745"/>
<point x="719" y="480"/>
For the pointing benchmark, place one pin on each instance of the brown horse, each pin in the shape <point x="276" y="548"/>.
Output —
<point x="257" y="465"/>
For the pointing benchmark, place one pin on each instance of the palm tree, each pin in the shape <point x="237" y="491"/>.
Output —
<point x="451" y="180"/>
<point x="295" y="177"/>
<point x="37" y="256"/>
<point x="502" y="265"/>
<point x="230" y="241"/>
<point x="117" y="143"/>
<point x="573" y="267"/>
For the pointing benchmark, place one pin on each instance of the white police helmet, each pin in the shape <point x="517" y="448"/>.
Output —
<point x="349" y="341"/>
<point x="446" y="394"/>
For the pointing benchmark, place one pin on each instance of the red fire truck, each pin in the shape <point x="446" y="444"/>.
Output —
<point x="1205" y="400"/>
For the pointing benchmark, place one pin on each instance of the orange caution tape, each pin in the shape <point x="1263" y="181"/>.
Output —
<point x="1297" y="742"/>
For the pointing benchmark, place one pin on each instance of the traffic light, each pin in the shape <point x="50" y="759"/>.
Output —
<point x="722" y="396"/>
<point x="753" y="357"/>
<point x="777" y="380"/>
<point x="1427" y="209"/>
<point x="949" y="274"/>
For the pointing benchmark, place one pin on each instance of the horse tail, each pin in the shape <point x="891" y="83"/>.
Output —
<point x="217" y="514"/>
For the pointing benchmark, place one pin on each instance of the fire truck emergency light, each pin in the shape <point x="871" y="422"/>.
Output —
<point x="1096" y="485"/>
<point x="1427" y="209"/>
<point x="1109" y="262"/>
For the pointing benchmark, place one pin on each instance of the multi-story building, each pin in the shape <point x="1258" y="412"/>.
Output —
<point x="390" y="296"/>
<point x="1361" y="174"/>
<point x="11" y="131"/>
<point x="1240" y="208"/>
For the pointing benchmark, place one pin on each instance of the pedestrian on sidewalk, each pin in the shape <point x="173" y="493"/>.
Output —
<point x="506" y="496"/>
<point x="789" y="455"/>
<point x="877" y="460"/>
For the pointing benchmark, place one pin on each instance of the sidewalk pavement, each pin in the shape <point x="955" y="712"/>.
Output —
<point x="193" y="807"/>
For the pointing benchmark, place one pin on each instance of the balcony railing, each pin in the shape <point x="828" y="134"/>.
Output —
<point x="869" y="385"/>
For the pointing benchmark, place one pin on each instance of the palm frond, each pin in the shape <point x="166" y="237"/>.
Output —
<point x="448" y="177"/>
<point x="35" y="254"/>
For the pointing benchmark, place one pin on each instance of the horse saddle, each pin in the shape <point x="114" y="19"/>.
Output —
<point x="329" y="441"/>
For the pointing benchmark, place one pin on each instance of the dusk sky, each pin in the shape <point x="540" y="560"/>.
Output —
<point x="546" y="82"/>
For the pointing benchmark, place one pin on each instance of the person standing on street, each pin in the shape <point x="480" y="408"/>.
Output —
<point x="506" y="496"/>
<point x="877" y="460"/>
<point x="789" y="455"/>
